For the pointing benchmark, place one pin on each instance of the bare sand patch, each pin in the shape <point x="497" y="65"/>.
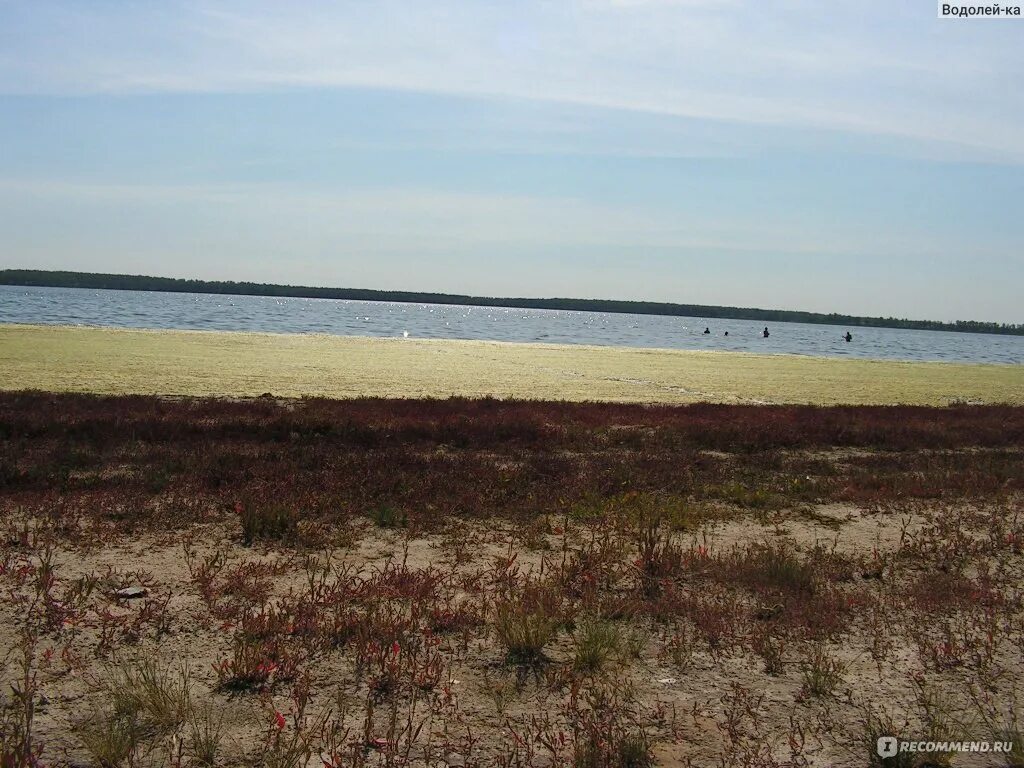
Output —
<point x="711" y="704"/>
<point x="196" y="363"/>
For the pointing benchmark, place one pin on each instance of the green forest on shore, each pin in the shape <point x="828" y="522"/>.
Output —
<point x="100" y="281"/>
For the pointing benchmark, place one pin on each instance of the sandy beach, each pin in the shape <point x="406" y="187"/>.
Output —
<point x="119" y="361"/>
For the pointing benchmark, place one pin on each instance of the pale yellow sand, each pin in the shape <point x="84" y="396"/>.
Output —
<point x="247" y="364"/>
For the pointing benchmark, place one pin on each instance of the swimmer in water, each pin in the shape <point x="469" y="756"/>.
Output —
<point x="726" y="333"/>
<point x="707" y="330"/>
<point x="848" y="336"/>
<point x="765" y="332"/>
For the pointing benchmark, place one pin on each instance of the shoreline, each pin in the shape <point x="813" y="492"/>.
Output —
<point x="92" y="281"/>
<point x="111" y="360"/>
<point x="501" y="342"/>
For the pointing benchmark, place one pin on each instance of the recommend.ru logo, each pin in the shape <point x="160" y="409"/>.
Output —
<point x="890" y="746"/>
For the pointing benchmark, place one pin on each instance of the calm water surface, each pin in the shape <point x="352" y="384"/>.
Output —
<point x="143" y="309"/>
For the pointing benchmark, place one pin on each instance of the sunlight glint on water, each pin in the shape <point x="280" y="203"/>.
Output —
<point x="141" y="309"/>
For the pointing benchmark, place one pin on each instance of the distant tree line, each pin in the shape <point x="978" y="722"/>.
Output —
<point x="91" y="280"/>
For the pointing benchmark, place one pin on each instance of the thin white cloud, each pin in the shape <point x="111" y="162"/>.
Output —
<point x="411" y="220"/>
<point x="864" y="67"/>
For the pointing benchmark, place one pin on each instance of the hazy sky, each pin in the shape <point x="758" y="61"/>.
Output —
<point x="861" y="157"/>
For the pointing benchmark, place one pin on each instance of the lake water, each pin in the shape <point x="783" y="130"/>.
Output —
<point x="144" y="309"/>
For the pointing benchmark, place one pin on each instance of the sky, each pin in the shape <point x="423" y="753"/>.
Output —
<point x="854" y="157"/>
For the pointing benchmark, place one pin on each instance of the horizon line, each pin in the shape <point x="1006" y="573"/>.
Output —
<point x="38" y="278"/>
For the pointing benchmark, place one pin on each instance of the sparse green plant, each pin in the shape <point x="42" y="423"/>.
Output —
<point x="874" y="727"/>
<point x="821" y="672"/>
<point x="293" y="744"/>
<point x="607" y="732"/>
<point x="18" y="746"/>
<point x="501" y="691"/>
<point x="778" y="566"/>
<point x="681" y="643"/>
<point x="526" y="624"/>
<point x="1001" y="716"/>
<point x="387" y="516"/>
<point x="150" y="695"/>
<point x="634" y="642"/>
<point x="111" y="737"/>
<point x="287" y="750"/>
<point x="631" y="750"/>
<point x="1003" y="719"/>
<point x="660" y="558"/>
<point x="205" y="726"/>
<point x="939" y="717"/>
<point x="597" y="642"/>
<point x="535" y="533"/>
<point x="770" y="649"/>
<point x="746" y="494"/>
<point x="267" y="522"/>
